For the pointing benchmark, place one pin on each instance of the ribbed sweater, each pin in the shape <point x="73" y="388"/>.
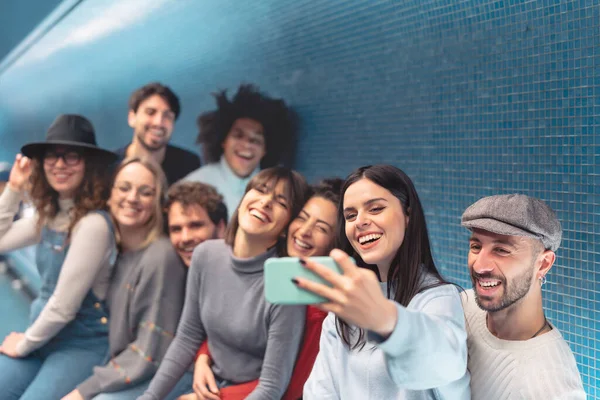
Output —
<point x="542" y="368"/>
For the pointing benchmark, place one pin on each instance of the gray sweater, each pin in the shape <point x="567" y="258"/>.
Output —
<point x="145" y="302"/>
<point x="248" y="337"/>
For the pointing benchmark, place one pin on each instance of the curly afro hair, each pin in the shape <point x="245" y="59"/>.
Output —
<point x="277" y="119"/>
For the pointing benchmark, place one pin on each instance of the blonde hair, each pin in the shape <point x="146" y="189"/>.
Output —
<point x="155" y="223"/>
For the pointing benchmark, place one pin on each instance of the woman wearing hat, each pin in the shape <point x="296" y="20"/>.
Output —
<point x="68" y="332"/>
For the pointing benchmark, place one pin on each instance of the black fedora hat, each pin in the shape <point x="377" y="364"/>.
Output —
<point x="69" y="130"/>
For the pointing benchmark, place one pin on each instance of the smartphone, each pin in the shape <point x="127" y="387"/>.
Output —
<point x="279" y="272"/>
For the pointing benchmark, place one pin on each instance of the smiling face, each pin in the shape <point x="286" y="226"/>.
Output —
<point x="133" y="197"/>
<point x="312" y="232"/>
<point x="503" y="268"/>
<point x="189" y="226"/>
<point x="64" y="168"/>
<point x="264" y="211"/>
<point x="244" y="146"/>
<point x="375" y="222"/>
<point x="152" y="123"/>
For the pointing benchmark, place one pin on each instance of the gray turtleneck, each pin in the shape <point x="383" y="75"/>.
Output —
<point x="248" y="337"/>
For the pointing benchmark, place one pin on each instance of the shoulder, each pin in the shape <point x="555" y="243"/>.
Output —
<point x="95" y="222"/>
<point x="162" y="268"/>
<point x="329" y="328"/>
<point x="181" y="153"/>
<point x="329" y="324"/>
<point x="556" y="348"/>
<point x="210" y="249"/>
<point x="122" y="151"/>
<point x="160" y="256"/>
<point x="209" y="257"/>
<point x="204" y="173"/>
<point x="442" y="296"/>
<point x="555" y="365"/>
<point x="160" y="248"/>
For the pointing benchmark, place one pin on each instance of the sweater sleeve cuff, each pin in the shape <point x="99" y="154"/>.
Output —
<point x="89" y="388"/>
<point x="395" y="340"/>
<point x="25" y="346"/>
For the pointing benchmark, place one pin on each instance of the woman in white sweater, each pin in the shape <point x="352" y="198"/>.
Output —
<point x="396" y="329"/>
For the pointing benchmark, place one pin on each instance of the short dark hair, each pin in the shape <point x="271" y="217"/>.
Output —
<point x="278" y="121"/>
<point x="201" y="194"/>
<point x="329" y="189"/>
<point x="141" y="94"/>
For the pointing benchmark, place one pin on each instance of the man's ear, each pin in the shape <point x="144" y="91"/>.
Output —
<point x="221" y="227"/>
<point x="547" y="261"/>
<point x="131" y="118"/>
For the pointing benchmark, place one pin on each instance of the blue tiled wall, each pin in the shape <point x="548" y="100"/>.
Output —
<point x="471" y="98"/>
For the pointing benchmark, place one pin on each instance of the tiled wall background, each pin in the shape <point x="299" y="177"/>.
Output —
<point x="470" y="98"/>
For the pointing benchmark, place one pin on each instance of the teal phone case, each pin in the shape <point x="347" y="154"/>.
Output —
<point x="279" y="272"/>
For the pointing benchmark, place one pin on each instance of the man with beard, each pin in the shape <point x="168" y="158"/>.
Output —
<point x="153" y="110"/>
<point x="514" y="351"/>
<point x="195" y="213"/>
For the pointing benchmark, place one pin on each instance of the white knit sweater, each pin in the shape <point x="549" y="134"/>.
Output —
<point x="542" y="368"/>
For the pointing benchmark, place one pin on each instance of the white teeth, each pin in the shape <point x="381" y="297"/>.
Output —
<point x="244" y="154"/>
<point x="488" y="283"/>
<point x="258" y="215"/>
<point x="302" y="244"/>
<point x="366" y="238"/>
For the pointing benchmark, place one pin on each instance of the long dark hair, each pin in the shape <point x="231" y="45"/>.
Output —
<point x="413" y="261"/>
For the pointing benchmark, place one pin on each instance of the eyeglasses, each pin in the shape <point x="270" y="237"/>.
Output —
<point x="69" y="158"/>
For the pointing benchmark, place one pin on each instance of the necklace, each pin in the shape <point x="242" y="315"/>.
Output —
<point x="542" y="328"/>
<point x="535" y="334"/>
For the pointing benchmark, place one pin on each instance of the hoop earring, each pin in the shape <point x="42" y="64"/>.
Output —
<point x="542" y="280"/>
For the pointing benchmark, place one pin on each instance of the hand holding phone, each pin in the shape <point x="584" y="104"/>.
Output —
<point x="279" y="273"/>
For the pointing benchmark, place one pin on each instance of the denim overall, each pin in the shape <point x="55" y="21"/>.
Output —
<point x="68" y="358"/>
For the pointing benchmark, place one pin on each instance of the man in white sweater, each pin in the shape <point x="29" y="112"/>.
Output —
<point x="514" y="351"/>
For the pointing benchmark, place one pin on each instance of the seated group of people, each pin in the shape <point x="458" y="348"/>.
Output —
<point x="126" y="311"/>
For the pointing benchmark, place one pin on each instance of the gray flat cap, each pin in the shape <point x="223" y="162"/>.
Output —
<point x="515" y="215"/>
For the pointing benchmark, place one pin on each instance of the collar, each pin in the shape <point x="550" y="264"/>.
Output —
<point x="253" y="264"/>
<point x="66" y="204"/>
<point x="231" y="177"/>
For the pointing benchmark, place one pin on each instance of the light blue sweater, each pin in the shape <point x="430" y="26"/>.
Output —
<point x="424" y="358"/>
<point x="227" y="183"/>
